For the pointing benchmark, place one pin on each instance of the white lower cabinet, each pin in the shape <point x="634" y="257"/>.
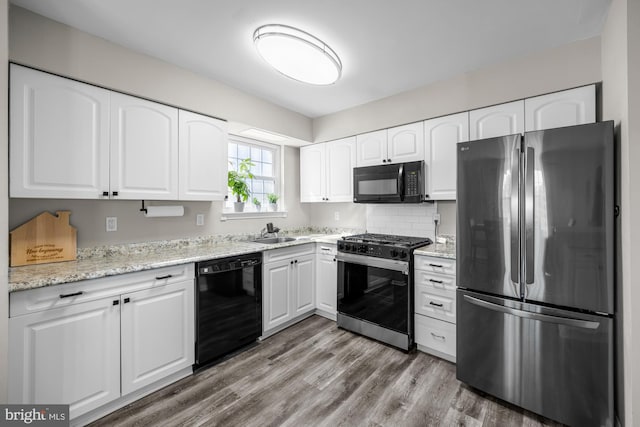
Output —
<point x="89" y="343"/>
<point x="435" y="306"/>
<point x="157" y="334"/>
<point x="288" y="282"/>
<point x="326" y="281"/>
<point x="67" y="355"/>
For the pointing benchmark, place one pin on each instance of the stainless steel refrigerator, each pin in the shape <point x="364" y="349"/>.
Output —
<point x="535" y="271"/>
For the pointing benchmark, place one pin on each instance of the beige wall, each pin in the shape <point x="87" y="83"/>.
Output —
<point x="89" y="216"/>
<point x="4" y="201"/>
<point x="48" y="45"/>
<point x="552" y="70"/>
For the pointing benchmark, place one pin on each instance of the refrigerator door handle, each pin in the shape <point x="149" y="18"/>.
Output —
<point x="529" y="209"/>
<point x="585" y="324"/>
<point x="515" y="226"/>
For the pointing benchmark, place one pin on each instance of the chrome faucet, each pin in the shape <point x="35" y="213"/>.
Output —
<point x="269" y="229"/>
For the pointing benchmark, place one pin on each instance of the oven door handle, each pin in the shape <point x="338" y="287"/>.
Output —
<point x="387" y="264"/>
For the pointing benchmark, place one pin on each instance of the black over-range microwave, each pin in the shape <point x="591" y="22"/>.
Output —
<point x="392" y="183"/>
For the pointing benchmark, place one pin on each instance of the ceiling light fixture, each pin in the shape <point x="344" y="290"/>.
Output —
<point x="297" y="54"/>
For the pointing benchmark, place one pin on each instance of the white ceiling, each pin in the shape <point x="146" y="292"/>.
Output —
<point x="386" y="46"/>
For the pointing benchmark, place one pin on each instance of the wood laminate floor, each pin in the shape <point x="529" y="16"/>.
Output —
<point x="314" y="374"/>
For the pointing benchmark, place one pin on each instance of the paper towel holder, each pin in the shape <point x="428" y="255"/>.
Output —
<point x="162" y="211"/>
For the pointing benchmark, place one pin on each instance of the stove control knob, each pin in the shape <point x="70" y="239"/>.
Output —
<point x="347" y="247"/>
<point x="394" y="253"/>
<point x="403" y="254"/>
<point x="362" y="249"/>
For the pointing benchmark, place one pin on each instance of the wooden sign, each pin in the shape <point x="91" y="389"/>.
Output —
<point x="44" y="239"/>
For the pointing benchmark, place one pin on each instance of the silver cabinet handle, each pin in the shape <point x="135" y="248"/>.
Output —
<point x="436" y="281"/>
<point x="438" y="337"/>
<point x="435" y="265"/>
<point x="585" y="324"/>
<point x="168" y="276"/>
<point x="435" y="304"/>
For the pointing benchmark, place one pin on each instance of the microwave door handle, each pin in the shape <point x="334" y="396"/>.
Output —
<point x="401" y="182"/>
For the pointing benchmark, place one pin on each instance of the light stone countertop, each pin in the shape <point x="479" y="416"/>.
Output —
<point x="111" y="261"/>
<point x="440" y="250"/>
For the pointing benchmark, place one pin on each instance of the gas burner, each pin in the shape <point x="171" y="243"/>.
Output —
<point x="382" y="245"/>
<point x="389" y="239"/>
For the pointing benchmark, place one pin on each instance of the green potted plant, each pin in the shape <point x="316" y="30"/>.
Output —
<point x="273" y="201"/>
<point x="237" y="182"/>
<point x="257" y="204"/>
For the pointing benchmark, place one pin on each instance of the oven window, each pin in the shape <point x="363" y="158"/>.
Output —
<point x="378" y="186"/>
<point x="374" y="294"/>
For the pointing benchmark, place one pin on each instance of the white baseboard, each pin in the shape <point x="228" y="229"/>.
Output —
<point x="437" y="353"/>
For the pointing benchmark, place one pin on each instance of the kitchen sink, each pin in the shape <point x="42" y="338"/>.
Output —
<point x="274" y="239"/>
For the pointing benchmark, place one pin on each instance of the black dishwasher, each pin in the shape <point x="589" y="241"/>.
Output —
<point x="228" y="306"/>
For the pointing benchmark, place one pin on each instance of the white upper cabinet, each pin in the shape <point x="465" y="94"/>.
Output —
<point x="203" y="157"/>
<point x="441" y="136"/>
<point x="371" y="148"/>
<point x="71" y="140"/>
<point x="144" y="149"/>
<point x="566" y="108"/>
<point x="498" y="120"/>
<point x="394" y="145"/>
<point x="405" y="143"/>
<point x="341" y="159"/>
<point x="326" y="171"/>
<point x="59" y="137"/>
<point x="312" y="173"/>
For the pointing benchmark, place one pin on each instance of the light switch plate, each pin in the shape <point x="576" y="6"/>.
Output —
<point x="200" y="219"/>
<point x="336" y="216"/>
<point x="112" y="223"/>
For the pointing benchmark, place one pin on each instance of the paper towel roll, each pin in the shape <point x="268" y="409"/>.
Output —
<point x="157" y="211"/>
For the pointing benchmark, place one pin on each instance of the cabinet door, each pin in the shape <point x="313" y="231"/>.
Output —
<point x="304" y="281"/>
<point x="144" y="149"/>
<point x="312" y="173"/>
<point x="67" y="355"/>
<point x="59" y="137"/>
<point x="371" y="148"/>
<point x="327" y="283"/>
<point x="499" y="120"/>
<point x="157" y="333"/>
<point x="203" y="157"/>
<point x="405" y="143"/>
<point x="276" y="294"/>
<point x="441" y="136"/>
<point x="341" y="159"/>
<point x="567" y="108"/>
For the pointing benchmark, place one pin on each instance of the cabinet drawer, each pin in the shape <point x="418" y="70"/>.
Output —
<point x="436" y="335"/>
<point x="326" y="249"/>
<point x="288" y="252"/>
<point x="46" y="298"/>
<point x="437" y="303"/>
<point x="440" y="282"/>
<point x="435" y="265"/>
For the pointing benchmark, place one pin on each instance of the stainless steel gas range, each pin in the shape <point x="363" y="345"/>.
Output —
<point x="375" y="286"/>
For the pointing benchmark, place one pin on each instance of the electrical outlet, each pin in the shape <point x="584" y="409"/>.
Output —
<point x="336" y="216"/>
<point x="436" y="217"/>
<point x="112" y="223"/>
<point x="200" y="219"/>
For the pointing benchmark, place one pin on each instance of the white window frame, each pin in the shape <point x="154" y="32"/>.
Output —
<point x="229" y="214"/>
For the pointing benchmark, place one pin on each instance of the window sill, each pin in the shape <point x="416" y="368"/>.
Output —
<point x="232" y="216"/>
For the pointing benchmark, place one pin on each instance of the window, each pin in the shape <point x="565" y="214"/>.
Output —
<point x="264" y="158"/>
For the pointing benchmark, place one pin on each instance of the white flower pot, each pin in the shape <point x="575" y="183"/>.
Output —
<point x="238" y="206"/>
<point x="273" y="207"/>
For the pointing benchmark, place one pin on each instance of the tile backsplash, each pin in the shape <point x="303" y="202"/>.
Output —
<point x="404" y="220"/>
